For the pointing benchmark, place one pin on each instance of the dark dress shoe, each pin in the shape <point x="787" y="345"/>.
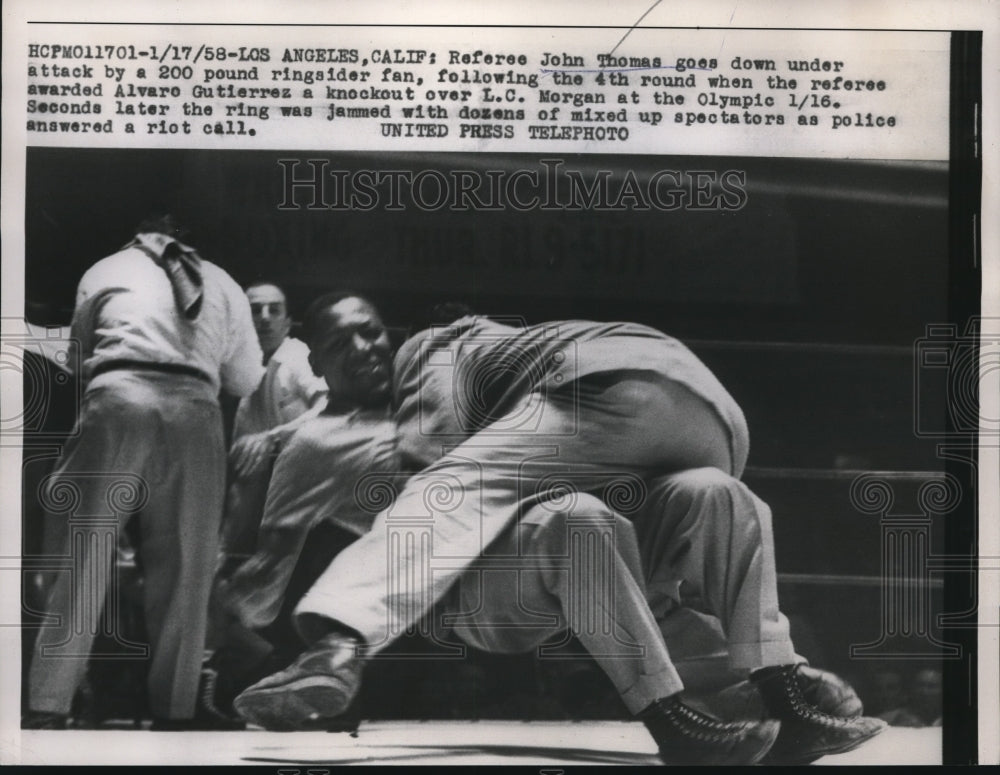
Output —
<point x="687" y="736"/>
<point x="828" y="692"/>
<point x="311" y="693"/>
<point x="807" y="733"/>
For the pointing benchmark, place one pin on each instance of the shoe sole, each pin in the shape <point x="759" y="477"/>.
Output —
<point x="750" y="751"/>
<point x="809" y="756"/>
<point x="306" y="703"/>
<point x="773" y="729"/>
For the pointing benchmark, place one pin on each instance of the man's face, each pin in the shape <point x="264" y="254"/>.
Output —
<point x="270" y="317"/>
<point x="352" y="352"/>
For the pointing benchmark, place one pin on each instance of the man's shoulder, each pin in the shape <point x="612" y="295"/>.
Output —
<point x="292" y="351"/>
<point x="291" y="362"/>
<point x="124" y="256"/>
<point x="122" y="269"/>
<point x="224" y="286"/>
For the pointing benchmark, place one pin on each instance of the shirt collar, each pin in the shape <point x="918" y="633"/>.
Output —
<point x="157" y="243"/>
<point x="277" y="357"/>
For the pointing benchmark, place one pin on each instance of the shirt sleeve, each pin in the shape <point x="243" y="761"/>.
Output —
<point x="385" y="450"/>
<point x="82" y="327"/>
<point x="90" y="300"/>
<point x="242" y="367"/>
<point x="310" y="388"/>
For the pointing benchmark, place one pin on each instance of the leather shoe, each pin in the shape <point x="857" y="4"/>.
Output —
<point x="315" y="689"/>
<point x="828" y="692"/>
<point x="807" y="733"/>
<point x="687" y="736"/>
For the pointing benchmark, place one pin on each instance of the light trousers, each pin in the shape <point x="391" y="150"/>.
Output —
<point x="698" y="544"/>
<point x="149" y="444"/>
<point x="699" y="538"/>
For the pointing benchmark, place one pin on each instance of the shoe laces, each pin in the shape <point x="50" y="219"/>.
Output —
<point x="801" y="708"/>
<point x="699" y="726"/>
<point x="209" y="680"/>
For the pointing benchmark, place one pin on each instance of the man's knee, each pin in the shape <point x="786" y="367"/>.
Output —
<point x="696" y="480"/>
<point x="705" y="495"/>
<point x="546" y="528"/>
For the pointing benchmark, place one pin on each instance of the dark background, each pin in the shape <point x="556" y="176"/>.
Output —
<point x="807" y="301"/>
<point x="833" y="251"/>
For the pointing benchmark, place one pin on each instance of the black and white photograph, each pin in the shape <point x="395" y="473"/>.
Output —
<point x="408" y="394"/>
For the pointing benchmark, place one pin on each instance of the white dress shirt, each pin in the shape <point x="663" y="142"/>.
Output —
<point x="125" y="310"/>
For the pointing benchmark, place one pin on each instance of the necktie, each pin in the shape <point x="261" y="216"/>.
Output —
<point x="183" y="268"/>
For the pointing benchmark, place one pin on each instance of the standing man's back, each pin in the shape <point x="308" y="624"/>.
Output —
<point x="160" y="332"/>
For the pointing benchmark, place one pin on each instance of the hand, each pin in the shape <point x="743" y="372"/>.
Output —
<point x="251" y="454"/>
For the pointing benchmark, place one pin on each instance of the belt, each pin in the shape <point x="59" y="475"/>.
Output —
<point x="165" y="368"/>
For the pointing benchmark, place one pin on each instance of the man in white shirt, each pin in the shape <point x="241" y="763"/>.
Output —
<point x="316" y="476"/>
<point x="288" y="395"/>
<point x="160" y="331"/>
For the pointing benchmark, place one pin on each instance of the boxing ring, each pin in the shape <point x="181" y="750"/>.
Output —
<point x="417" y="743"/>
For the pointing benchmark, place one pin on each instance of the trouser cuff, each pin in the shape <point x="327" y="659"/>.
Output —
<point x="650" y="687"/>
<point x="752" y="656"/>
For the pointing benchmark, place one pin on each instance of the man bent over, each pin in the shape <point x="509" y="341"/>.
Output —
<point x="501" y="416"/>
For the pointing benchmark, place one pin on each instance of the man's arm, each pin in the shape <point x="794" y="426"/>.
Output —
<point x="242" y="366"/>
<point x="251" y="453"/>
<point x="314" y="479"/>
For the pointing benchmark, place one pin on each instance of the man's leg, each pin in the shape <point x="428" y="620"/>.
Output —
<point x="256" y="589"/>
<point x="294" y="545"/>
<point x="244" y="509"/>
<point x="382" y="584"/>
<point x="76" y="600"/>
<point x="244" y="655"/>
<point x="180" y="548"/>
<point x="707" y="544"/>
<point x="242" y="515"/>
<point x="249" y="595"/>
<point x="450" y="513"/>
<point x="455" y="508"/>
<point x="578" y="572"/>
<point x="97" y="482"/>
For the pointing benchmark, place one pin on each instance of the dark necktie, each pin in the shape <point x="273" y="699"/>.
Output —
<point x="183" y="268"/>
